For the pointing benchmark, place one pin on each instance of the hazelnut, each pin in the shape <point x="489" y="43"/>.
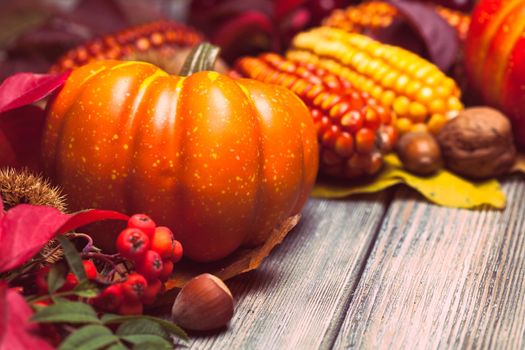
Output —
<point x="478" y="143"/>
<point x="419" y="152"/>
<point x="204" y="303"/>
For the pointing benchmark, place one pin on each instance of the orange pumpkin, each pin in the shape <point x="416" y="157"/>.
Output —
<point x="219" y="161"/>
<point x="495" y="58"/>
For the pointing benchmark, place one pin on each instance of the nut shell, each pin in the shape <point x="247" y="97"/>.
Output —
<point x="204" y="303"/>
<point x="478" y="143"/>
<point x="419" y="152"/>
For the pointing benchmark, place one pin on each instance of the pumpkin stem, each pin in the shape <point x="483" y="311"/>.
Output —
<point x="202" y="57"/>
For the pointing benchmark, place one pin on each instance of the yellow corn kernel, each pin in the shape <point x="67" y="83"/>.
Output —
<point x="419" y="127"/>
<point x="401" y="105"/>
<point x="454" y="104"/>
<point x="417" y="111"/>
<point x="403" y="125"/>
<point x="425" y="95"/>
<point x="422" y="72"/>
<point x="444" y="91"/>
<point x="436" y="122"/>
<point x="368" y="86"/>
<point x="389" y="79"/>
<point x="413" y="88"/>
<point x="401" y="82"/>
<point x="376" y="92"/>
<point x="388" y="97"/>
<point x="437" y="106"/>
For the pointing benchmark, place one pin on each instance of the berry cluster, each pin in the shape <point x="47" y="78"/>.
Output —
<point x="147" y="254"/>
<point x="71" y="280"/>
<point x="153" y="251"/>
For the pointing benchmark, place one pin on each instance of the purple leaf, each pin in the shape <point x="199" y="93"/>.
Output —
<point x="284" y="7"/>
<point x="440" y="39"/>
<point x="25" y="88"/>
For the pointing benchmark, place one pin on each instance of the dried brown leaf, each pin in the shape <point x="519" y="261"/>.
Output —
<point x="243" y="260"/>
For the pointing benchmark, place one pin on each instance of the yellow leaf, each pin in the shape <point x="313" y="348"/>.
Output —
<point x="443" y="188"/>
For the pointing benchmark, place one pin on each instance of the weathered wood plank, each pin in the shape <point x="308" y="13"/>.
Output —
<point x="298" y="297"/>
<point x="443" y="278"/>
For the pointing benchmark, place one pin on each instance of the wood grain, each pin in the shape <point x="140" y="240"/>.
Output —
<point x="443" y="278"/>
<point x="298" y="296"/>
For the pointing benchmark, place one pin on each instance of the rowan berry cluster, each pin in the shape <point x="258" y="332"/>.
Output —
<point x="149" y="252"/>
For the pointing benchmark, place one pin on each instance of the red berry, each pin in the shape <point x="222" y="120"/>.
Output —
<point x="111" y="298"/>
<point x="178" y="252"/>
<point x="42" y="303"/>
<point x="167" y="269"/>
<point x="150" y="294"/>
<point x="162" y="242"/>
<point x="133" y="243"/>
<point x="133" y="288"/>
<point x="131" y="308"/>
<point x="41" y="279"/>
<point x="150" y="266"/>
<point x="143" y="222"/>
<point x="71" y="282"/>
<point x="90" y="268"/>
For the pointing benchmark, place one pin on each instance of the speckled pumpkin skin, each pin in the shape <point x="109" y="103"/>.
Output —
<point x="219" y="161"/>
<point x="495" y="58"/>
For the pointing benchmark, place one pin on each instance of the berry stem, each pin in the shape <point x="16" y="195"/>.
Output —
<point x="89" y="245"/>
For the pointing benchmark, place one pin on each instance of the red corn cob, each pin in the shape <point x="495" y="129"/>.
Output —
<point x="353" y="129"/>
<point x="130" y="42"/>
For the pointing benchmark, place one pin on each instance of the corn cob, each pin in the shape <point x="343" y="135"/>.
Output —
<point x="353" y="129"/>
<point x="130" y="42"/>
<point x="422" y="97"/>
<point x="378" y="14"/>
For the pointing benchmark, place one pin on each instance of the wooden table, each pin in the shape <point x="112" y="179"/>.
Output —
<point x="388" y="270"/>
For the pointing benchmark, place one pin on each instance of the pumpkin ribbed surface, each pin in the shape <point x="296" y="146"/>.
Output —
<point x="220" y="161"/>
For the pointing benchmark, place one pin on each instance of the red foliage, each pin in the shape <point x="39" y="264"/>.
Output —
<point x="26" y="228"/>
<point x="21" y="124"/>
<point x="16" y="332"/>
<point x="22" y="89"/>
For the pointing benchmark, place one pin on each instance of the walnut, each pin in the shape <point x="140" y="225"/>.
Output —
<point x="478" y="143"/>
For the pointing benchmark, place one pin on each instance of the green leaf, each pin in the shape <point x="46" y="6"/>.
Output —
<point x="443" y="188"/>
<point x="86" y="289"/>
<point x="91" y="337"/>
<point x="167" y="325"/>
<point x="56" y="277"/>
<point x="142" y="327"/>
<point x="117" y="346"/>
<point x="67" y="312"/>
<point x="73" y="258"/>
<point x="148" y="342"/>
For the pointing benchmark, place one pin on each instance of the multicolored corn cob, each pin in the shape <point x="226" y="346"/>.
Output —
<point x="353" y="129"/>
<point x="130" y="43"/>
<point x="422" y="97"/>
<point x="379" y="14"/>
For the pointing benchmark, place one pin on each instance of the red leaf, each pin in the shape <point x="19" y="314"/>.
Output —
<point x="26" y="228"/>
<point x="25" y="88"/>
<point x="86" y="217"/>
<point x="16" y="332"/>
<point x="20" y="137"/>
